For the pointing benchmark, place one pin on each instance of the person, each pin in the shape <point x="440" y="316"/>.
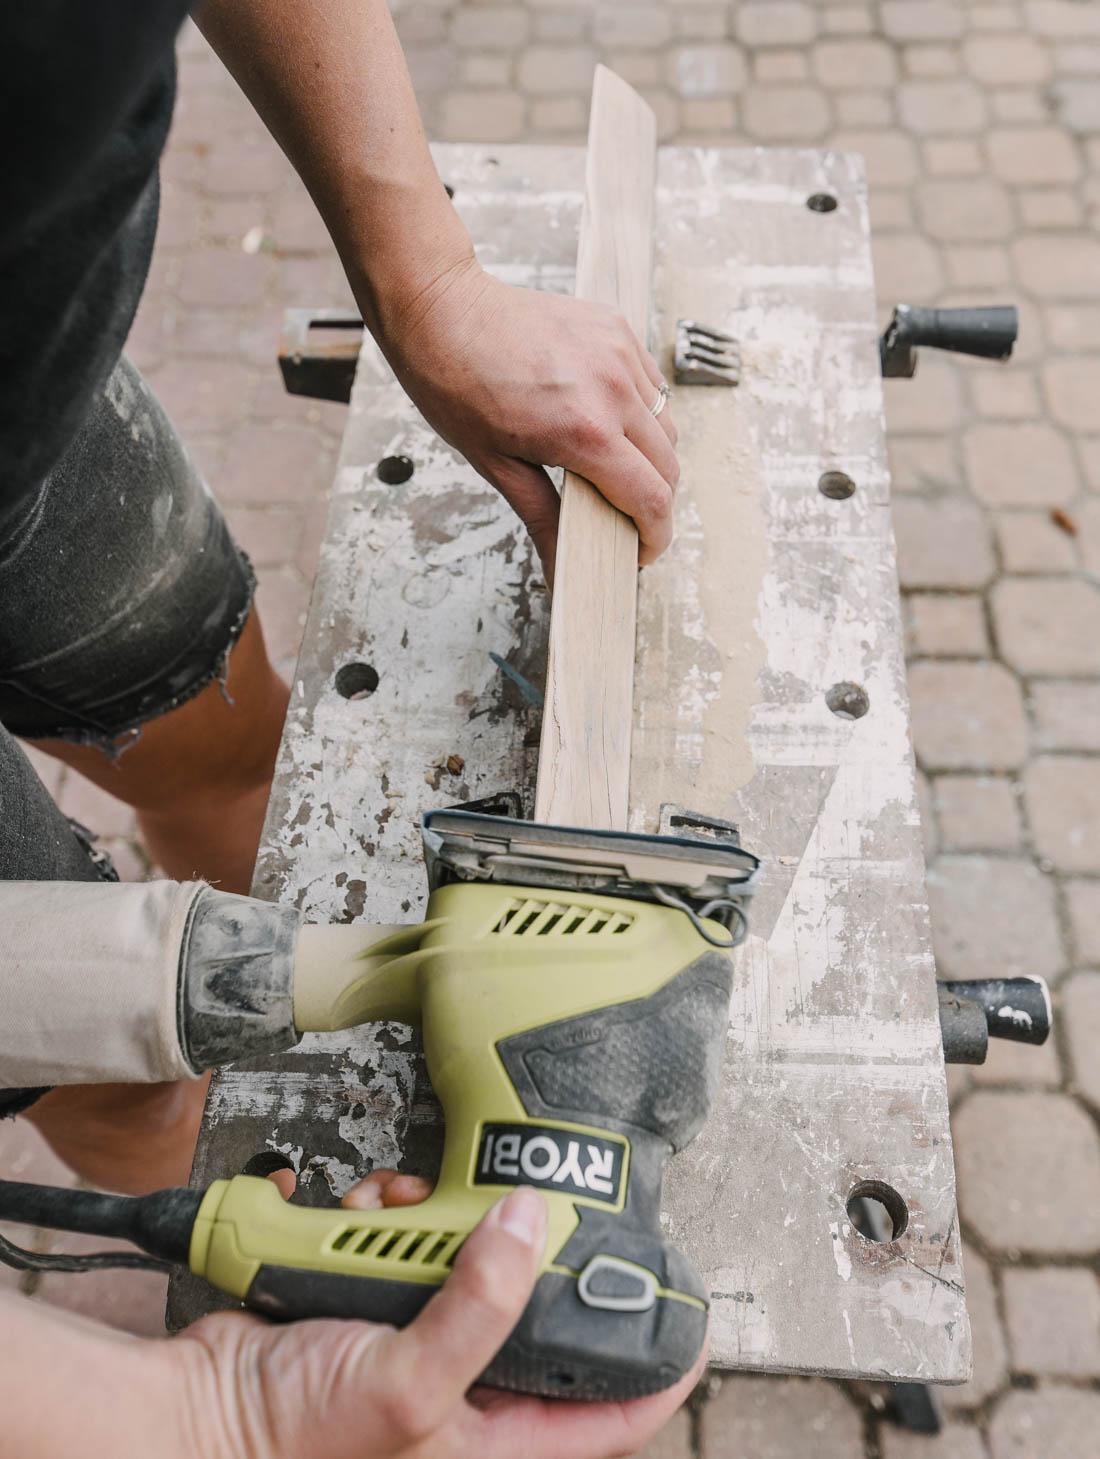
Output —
<point x="131" y="651"/>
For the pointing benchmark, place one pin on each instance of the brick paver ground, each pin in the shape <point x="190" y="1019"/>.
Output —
<point x="980" y="123"/>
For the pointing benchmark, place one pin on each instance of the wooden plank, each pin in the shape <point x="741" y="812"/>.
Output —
<point x="584" y="760"/>
<point x="772" y="594"/>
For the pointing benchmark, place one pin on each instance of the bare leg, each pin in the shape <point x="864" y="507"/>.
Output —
<point x="199" y="778"/>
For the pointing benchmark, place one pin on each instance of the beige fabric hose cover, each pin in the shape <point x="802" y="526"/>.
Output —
<point x="89" y="976"/>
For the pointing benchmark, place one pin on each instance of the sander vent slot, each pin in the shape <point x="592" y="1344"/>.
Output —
<point x="555" y="919"/>
<point x="422" y="1248"/>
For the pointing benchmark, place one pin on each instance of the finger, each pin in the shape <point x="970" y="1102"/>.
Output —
<point x="632" y="483"/>
<point x="647" y="434"/>
<point x="386" y="1188"/>
<point x="530" y="493"/>
<point x="542" y="1429"/>
<point x="467" y="1322"/>
<point x="650" y="368"/>
<point x="285" y="1181"/>
<point x="648" y="380"/>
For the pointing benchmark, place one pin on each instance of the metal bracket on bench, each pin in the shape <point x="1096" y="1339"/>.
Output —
<point x="324" y="367"/>
<point x="705" y="356"/>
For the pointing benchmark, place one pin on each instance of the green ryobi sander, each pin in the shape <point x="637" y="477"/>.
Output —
<point x="573" y="991"/>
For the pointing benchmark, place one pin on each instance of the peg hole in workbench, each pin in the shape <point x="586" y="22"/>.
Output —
<point x="268" y="1163"/>
<point x="837" y="485"/>
<point x="877" y="1211"/>
<point x="393" y="470"/>
<point x="822" y="203"/>
<point x="356" y="681"/>
<point x="847" y="701"/>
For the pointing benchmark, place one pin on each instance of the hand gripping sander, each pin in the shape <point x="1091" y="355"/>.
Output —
<point x="573" y="991"/>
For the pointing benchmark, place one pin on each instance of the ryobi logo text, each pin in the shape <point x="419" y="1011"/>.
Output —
<point x="580" y="1165"/>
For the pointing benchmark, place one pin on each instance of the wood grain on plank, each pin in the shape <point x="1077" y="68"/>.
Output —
<point x="584" y="759"/>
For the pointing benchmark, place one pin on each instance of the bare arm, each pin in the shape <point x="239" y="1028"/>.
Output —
<point x="513" y="379"/>
<point x="330" y="83"/>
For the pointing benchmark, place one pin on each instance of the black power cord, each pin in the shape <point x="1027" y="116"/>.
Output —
<point x="40" y="1261"/>
<point x="160" y="1224"/>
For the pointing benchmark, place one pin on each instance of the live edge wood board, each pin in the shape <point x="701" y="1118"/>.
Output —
<point x="773" y="594"/>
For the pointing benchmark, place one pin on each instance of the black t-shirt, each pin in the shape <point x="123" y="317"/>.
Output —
<point x="85" y="107"/>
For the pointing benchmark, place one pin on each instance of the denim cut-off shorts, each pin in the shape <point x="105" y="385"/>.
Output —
<point x="121" y="595"/>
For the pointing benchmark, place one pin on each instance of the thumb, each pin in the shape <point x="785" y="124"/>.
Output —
<point x="466" y="1323"/>
<point x="530" y="493"/>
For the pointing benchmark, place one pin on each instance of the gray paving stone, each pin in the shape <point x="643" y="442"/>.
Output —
<point x="942" y="108"/>
<point x="952" y="157"/>
<point x="848" y="20"/>
<point x="1087" y="522"/>
<point x="780" y="65"/>
<point x="927" y="808"/>
<point x="921" y="20"/>
<point x="1072" y="388"/>
<point x="701" y="22"/>
<point x="1054" y="1423"/>
<point x="777" y="1418"/>
<point x="864" y="108"/>
<point x="979" y="266"/>
<point x="775" y="23"/>
<point x="1049" y="207"/>
<point x="908" y="269"/>
<point x="646" y="26"/>
<point x="922" y="464"/>
<point x="1027" y="1066"/>
<point x="132" y="1301"/>
<point x="931" y="60"/>
<point x="1052" y="1317"/>
<point x="488" y="116"/>
<point x="707" y="70"/>
<point x="956" y="1441"/>
<point x="1083" y="910"/>
<point x="546" y="69"/>
<point x="976" y="813"/>
<point x="964" y="210"/>
<point x="778" y="114"/>
<point x="966" y="716"/>
<point x="1062" y="800"/>
<point x="1020" y="465"/>
<point x="1048" y="626"/>
<point x="1066" y="713"/>
<point x="1040" y="155"/>
<point x="993" y="917"/>
<point x="1079" y="1012"/>
<point x="990" y="1352"/>
<point x="841" y="64"/>
<point x="890" y="158"/>
<point x="1028" y="1170"/>
<point x="1076" y="104"/>
<point x="1031" y="542"/>
<point x="1006" y="60"/>
<point x="1058" y="266"/>
<point x="951" y="625"/>
<point x="1062" y="19"/>
<point x="943" y="542"/>
<point x="935" y="400"/>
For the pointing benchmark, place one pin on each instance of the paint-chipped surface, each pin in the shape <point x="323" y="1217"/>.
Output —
<point x="772" y="594"/>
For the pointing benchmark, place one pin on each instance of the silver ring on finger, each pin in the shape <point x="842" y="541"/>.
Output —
<point x="661" y="401"/>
